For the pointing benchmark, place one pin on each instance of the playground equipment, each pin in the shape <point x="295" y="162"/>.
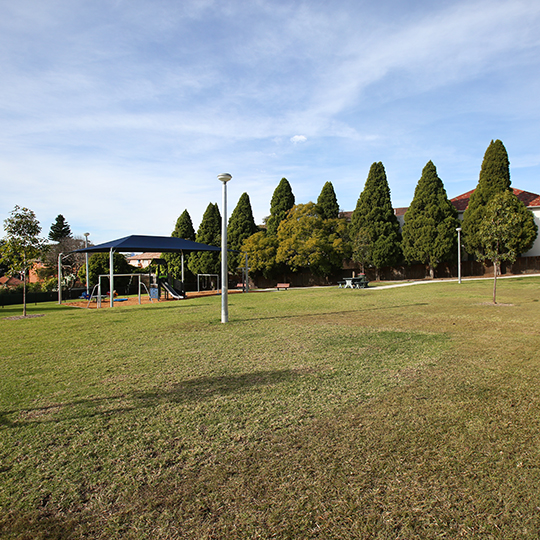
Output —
<point x="206" y="278"/>
<point x="99" y="296"/>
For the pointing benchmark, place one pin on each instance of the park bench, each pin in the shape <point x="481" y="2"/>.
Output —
<point x="284" y="286"/>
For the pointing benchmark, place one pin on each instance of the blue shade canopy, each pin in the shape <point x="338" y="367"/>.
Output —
<point x="140" y="243"/>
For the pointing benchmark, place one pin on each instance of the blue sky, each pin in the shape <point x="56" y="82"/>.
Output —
<point x="120" y="114"/>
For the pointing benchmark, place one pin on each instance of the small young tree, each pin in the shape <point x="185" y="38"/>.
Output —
<point x="22" y="244"/>
<point x="241" y="226"/>
<point x="282" y="202"/>
<point x="508" y="229"/>
<point x="374" y="228"/>
<point x="183" y="229"/>
<point x="429" y="231"/>
<point x="327" y="205"/>
<point x="60" y="229"/>
<point x="494" y="178"/>
<point x="209" y="232"/>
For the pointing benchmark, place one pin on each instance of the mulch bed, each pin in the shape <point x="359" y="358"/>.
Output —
<point x="134" y="300"/>
<point x="18" y="317"/>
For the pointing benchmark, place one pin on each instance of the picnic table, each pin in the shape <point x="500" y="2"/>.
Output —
<point x="358" y="282"/>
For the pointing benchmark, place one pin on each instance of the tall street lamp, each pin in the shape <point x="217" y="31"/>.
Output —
<point x="459" y="253"/>
<point x="86" y="235"/>
<point x="224" y="178"/>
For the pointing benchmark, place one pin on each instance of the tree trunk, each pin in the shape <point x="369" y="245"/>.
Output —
<point x="495" y="272"/>
<point x="431" y="272"/>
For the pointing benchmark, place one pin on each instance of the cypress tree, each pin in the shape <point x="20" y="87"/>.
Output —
<point x="429" y="231"/>
<point x="209" y="232"/>
<point x="494" y="178"/>
<point x="60" y="229"/>
<point x="374" y="226"/>
<point x="282" y="202"/>
<point x="183" y="229"/>
<point x="327" y="205"/>
<point x="241" y="226"/>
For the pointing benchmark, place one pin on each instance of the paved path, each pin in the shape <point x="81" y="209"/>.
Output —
<point x="447" y="281"/>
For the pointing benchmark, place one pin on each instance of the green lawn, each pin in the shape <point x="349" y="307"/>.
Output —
<point x="328" y="413"/>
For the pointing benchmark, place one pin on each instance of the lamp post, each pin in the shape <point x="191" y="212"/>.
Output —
<point x="224" y="178"/>
<point x="459" y="253"/>
<point x="86" y="235"/>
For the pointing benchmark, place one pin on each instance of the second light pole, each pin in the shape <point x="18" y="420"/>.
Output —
<point x="459" y="253"/>
<point x="224" y="178"/>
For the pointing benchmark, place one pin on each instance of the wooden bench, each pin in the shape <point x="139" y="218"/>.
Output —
<point x="284" y="286"/>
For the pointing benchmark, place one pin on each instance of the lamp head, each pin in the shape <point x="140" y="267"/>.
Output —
<point x="224" y="177"/>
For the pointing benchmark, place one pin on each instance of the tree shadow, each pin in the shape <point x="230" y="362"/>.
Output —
<point x="192" y="390"/>
<point x="326" y="313"/>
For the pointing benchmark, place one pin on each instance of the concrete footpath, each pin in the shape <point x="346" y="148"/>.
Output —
<point x="449" y="280"/>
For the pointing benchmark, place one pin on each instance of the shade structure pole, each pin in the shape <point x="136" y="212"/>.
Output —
<point x="224" y="178"/>
<point x="183" y="268"/>
<point x="60" y="278"/>
<point x="86" y="235"/>
<point x="111" y="277"/>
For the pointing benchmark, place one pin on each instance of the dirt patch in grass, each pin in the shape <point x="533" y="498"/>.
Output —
<point x="18" y="317"/>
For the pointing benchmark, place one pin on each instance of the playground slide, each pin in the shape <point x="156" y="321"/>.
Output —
<point x="171" y="290"/>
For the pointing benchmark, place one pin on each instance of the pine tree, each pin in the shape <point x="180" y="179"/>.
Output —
<point x="183" y="229"/>
<point x="60" y="229"/>
<point x="209" y="232"/>
<point x="327" y="205"/>
<point x="374" y="226"/>
<point x="494" y="178"/>
<point x="282" y="202"/>
<point x="429" y="231"/>
<point x="241" y="226"/>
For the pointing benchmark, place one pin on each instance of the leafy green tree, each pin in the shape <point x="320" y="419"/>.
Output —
<point x="60" y="229"/>
<point x="21" y="245"/>
<point x="327" y="205"/>
<point x="374" y="228"/>
<point x="494" y="178"/>
<point x="308" y="241"/>
<point x="183" y="229"/>
<point x="209" y="232"/>
<point x="261" y="249"/>
<point x="429" y="231"/>
<point x="507" y="229"/>
<point x="241" y="226"/>
<point x="282" y="202"/>
<point x="99" y="264"/>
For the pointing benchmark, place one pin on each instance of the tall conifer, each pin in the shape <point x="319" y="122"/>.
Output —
<point x="327" y="205"/>
<point x="282" y="202"/>
<point x="429" y="231"/>
<point x="209" y="232"/>
<point x="374" y="226"/>
<point x="183" y="229"/>
<point x="494" y="178"/>
<point x="60" y="229"/>
<point x="241" y="226"/>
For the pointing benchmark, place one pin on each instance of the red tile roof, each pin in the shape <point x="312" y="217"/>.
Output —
<point x="527" y="198"/>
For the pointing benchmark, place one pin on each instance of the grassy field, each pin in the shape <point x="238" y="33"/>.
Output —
<point x="399" y="413"/>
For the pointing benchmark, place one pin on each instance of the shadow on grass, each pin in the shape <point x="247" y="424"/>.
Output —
<point x="319" y="314"/>
<point x="192" y="390"/>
